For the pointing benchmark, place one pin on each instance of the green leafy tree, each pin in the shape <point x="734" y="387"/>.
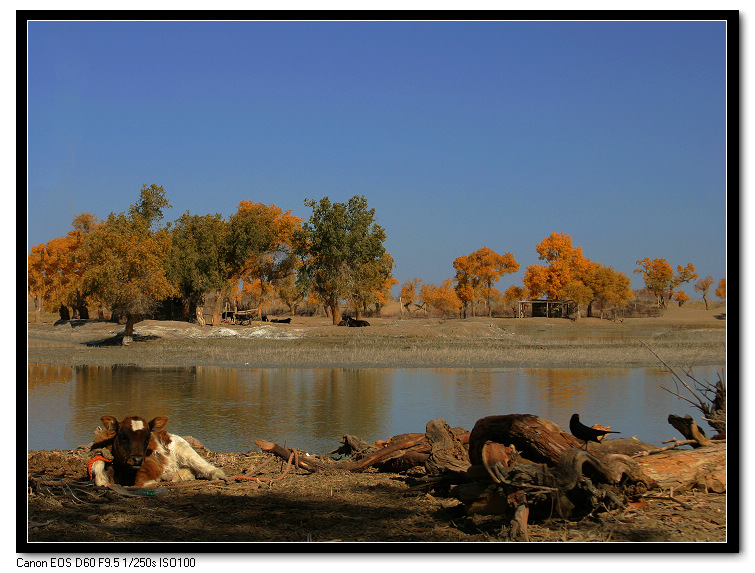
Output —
<point x="369" y="283"/>
<point x="197" y="262"/>
<point x="335" y="245"/>
<point x="150" y="205"/>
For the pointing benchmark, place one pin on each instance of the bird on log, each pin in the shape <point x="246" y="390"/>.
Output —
<point x="585" y="433"/>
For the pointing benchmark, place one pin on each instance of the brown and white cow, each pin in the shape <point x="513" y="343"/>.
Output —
<point x="143" y="453"/>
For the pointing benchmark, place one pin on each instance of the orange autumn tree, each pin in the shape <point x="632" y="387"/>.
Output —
<point x="612" y="289"/>
<point x="721" y="289"/>
<point x="567" y="274"/>
<point x="54" y="270"/>
<point x="703" y="286"/>
<point x="383" y="293"/>
<point x="660" y="278"/>
<point x="260" y="248"/>
<point x="443" y="297"/>
<point x="125" y="260"/>
<point x="681" y="297"/>
<point x="410" y="293"/>
<point x="476" y="273"/>
<point x="513" y="295"/>
<point x="466" y="283"/>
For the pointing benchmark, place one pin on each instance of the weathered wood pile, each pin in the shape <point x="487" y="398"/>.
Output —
<point x="523" y="467"/>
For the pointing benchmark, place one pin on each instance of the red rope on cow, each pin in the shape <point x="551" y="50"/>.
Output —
<point x="91" y="463"/>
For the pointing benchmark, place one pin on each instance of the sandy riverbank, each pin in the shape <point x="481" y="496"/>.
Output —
<point x="682" y="337"/>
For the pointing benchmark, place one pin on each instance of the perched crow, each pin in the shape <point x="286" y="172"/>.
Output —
<point x="582" y="432"/>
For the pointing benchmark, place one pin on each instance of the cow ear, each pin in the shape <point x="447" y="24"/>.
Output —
<point x="110" y="423"/>
<point x="158" y="423"/>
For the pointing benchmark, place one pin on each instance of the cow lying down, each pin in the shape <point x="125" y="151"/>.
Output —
<point x="141" y="453"/>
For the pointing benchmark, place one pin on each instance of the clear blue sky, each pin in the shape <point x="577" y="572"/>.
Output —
<point x="459" y="134"/>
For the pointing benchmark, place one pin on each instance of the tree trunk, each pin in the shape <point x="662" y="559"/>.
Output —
<point x="128" y="333"/>
<point x="681" y="470"/>
<point x="447" y="453"/>
<point x="538" y="440"/>
<point x="217" y="311"/>
<point x="38" y="308"/>
<point x="335" y="312"/>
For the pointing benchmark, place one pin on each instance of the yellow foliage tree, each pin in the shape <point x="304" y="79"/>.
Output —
<point x="410" y="293"/>
<point x="721" y="289"/>
<point x="476" y="273"/>
<point x="54" y="270"/>
<point x="568" y="270"/>
<point x="681" y="297"/>
<point x="368" y="283"/>
<point x="290" y="292"/>
<point x="443" y="297"/>
<point x="260" y="246"/>
<point x="660" y="278"/>
<point x="703" y="286"/>
<point x="124" y="260"/>
<point x="612" y="289"/>
<point x="513" y="295"/>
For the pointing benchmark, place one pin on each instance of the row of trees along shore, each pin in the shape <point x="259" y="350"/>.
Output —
<point x="130" y="263"/>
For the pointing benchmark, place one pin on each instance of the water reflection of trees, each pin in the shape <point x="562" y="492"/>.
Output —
<point x="318" y="403"/>
<point x="47" y="373"/>
<point x="225" y="407"/>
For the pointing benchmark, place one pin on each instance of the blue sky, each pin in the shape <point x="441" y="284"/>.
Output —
<point x="459" y="134"/>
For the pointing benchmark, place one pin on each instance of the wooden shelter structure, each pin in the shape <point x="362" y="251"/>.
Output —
<point x="546" y="308"/>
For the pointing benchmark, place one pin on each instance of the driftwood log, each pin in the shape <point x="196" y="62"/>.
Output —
<point x="440" y="449"/>
<point x="524" y="467"/>
<point x="536" y="439"/>
<point x="689" y="429"/>
<point x="702" y="468"/>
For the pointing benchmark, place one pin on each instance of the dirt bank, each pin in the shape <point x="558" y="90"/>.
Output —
<point x="682" y="338"/>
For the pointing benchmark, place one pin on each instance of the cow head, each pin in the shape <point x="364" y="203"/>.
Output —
<point x="131" y="444"/>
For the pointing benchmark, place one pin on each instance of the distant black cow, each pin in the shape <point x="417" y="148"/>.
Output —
<point x="281" y="320"/>
<point x="353" y="322"/>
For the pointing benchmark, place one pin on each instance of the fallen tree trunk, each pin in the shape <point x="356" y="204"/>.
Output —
<point x="681" y="470"/>
<point x="537" y="440"/>
<point x="383" y="454"/>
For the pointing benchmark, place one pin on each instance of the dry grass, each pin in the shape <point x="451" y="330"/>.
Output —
<point x="682" y="337"/>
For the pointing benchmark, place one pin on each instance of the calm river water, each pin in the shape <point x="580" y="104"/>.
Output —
<point x="311" y="409"/>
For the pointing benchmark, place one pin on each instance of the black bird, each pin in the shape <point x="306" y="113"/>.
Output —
<point x="584" y="433"/>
